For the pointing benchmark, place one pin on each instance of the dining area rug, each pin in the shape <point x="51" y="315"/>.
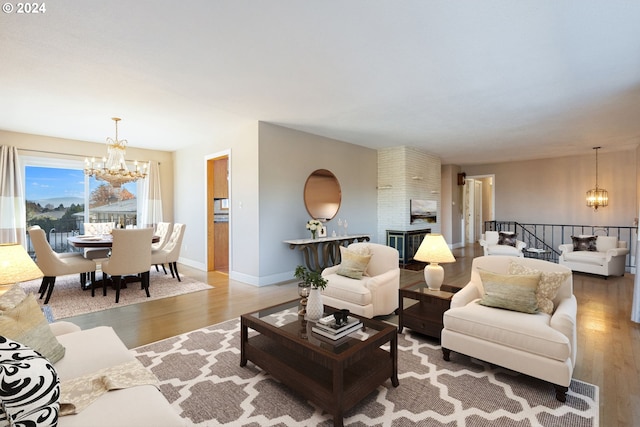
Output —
<point x="200" y="375"/>
<point x="69" y="299"/>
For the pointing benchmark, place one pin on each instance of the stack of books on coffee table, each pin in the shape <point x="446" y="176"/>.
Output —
<point x="328" y="327"/>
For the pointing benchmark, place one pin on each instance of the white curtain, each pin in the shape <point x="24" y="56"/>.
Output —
<point x="12" y="204"/>
<point x="635" y="307"/>
<point x="150" y="200"/>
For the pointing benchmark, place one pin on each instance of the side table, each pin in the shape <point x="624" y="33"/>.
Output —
<point x="425" y="314"/>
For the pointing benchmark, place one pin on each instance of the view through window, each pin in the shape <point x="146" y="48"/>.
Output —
<point x="56" y="200"/>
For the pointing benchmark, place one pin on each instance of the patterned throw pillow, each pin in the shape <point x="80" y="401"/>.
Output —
<point x="26" y="324"/>
<point x="507" y="238"/>
<point x="511" y="292"/>
<point x="550" y="282"/>
<point x="584" y="243"/>
<point x="353" y="263"/>
<point x="29" y="387"/>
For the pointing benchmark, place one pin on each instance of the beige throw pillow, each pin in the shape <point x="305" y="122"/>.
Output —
<point x="511" y="292"/>
<point x="550" y="282"/>
<point x="26" y="324"/>
<point x="353" y="264"/>
<point x="12" y="297"/>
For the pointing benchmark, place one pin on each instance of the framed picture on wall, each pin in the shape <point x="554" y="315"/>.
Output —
<point x="423" y="211"/>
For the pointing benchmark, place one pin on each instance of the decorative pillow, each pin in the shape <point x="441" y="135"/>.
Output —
<point x="584" y="243"/>
<point x="511" y="292"/>
<point x="353" y="264"/>
<point x="604" y="243"/>
<point x="26" y="324"/>
<point x="507" y="238"/>
<point x="29" y="387"/>
<point x="12" y="297"/>
<point x="550" y="282"/>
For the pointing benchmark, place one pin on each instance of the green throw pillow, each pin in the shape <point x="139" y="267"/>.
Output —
<point x="550" y="282"/>
<point x="353" y="264"/>
<point x="26" y="324"/>
<point x="511" y="292"/>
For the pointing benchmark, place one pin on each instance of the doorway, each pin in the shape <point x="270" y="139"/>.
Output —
<point x="479" y="205"/>
<point x="218" y="213"/>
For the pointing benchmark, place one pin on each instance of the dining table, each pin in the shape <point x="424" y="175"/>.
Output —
<point x="97" y="241"/>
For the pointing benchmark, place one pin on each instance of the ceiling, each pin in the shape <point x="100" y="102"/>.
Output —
<point x="468" y="81"/>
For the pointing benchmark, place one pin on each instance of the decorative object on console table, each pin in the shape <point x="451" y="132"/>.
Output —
<point x="314" y="280"/>
<point x="425" y="316"/>
<point x="16" y="266"/>
<point x="434" y="250"/>
<point x="314" y="226"/>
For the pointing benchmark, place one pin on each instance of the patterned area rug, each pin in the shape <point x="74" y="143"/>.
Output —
<point x="68" y="299"/>
<point x="200" y="375"/>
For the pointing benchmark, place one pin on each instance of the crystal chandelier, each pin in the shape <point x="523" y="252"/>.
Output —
<point x="597" y="197"/>
<point x="113" y="168"/>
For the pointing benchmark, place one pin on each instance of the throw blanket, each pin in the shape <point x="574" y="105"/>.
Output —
<point x="78" y="393"/>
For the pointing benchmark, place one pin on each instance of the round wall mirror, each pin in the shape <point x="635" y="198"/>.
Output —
<point x="322" y="195"/>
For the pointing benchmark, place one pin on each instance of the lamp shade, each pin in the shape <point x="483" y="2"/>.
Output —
<point x="16" y="265"/>
<point x="434" y="249"/>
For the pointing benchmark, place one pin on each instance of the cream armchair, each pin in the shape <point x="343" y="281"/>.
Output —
<point x="539" y="344"/>
<point x="494" y="244"/>
<point x="376" y="292"/>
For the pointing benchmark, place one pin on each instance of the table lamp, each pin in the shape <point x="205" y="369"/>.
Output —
<point x="16" y="266"/>
<point x="434" y="250"/>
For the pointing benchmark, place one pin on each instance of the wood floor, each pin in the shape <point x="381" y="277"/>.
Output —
<point x="608" y="342"/>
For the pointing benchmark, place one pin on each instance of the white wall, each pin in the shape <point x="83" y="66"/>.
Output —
<point x="287" y="158"/>
<point x="553" y="191"/>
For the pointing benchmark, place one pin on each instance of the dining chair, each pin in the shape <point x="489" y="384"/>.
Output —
<point x="97" y="228"/>
<point x="171" y="251"/>
<point x="53" y="264"/>
<point x="130" y="255"/>
<point x="163" y="230"/>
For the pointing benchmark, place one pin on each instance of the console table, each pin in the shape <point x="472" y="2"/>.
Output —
<point x="324" y="252"/>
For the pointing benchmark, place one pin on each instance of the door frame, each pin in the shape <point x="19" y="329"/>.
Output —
<point x="208" y="207"/>
<point x="489" y="179"/>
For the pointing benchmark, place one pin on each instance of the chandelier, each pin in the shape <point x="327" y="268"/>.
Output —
<point x="597" y="197"/>
<point x="113" y="168"/>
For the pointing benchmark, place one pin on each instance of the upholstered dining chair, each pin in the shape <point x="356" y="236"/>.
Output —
<point x="163" y="230"/>
<point x="171" y="251"/>
<point x="97" y="228"/>
<point x="53" y="264"/>
<point x="130" y="255"/>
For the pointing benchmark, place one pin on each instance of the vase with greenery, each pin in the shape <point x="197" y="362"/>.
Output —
<point x="315" y="281"/>
<point x="314" y="226"/>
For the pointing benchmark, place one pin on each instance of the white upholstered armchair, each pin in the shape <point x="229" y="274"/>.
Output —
<point x="534" y="336"/>
<point x="501" y="243"/>
<point x="375" y="292"/>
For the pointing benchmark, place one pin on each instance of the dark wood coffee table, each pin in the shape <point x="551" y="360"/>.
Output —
<point x="333" y="375"/>
<point x="425" y="315"/>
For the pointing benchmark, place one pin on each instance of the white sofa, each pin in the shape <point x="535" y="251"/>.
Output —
<point x="376" y="293"/>
<point x="491" y="245"/>
<point x="607" y="260"/>
<point x="87" y="351"/>
<point x="540" y="345"/>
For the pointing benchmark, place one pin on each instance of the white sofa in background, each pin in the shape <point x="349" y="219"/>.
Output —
<point x="607" y="260"/>
<point x="376" y="293"/>
<point x="88" y="351"/>
<point x="540" y="345"/>
<point x="491" y="245"/>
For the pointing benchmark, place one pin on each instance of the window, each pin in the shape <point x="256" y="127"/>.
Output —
<point x="57" y="194"/>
